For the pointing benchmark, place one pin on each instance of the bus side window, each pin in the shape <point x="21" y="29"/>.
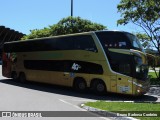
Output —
<point x="85" y="42"/>
<point x="64" y="44"/>
<point x="125" y="68"/>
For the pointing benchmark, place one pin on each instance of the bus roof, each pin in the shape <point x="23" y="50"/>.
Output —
<point x="74" y="34"/>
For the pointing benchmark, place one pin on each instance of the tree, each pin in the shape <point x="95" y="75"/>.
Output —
<point x="145" y="41"/>
<point x="65" y="26"/>
<point x="143" y="13"/>
<point x="45" y="32"/>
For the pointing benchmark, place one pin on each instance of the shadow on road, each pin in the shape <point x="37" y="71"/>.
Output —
<point x="70" y="92"/>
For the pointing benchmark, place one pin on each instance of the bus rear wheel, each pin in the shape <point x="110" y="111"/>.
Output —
<point x="98" y="87"/>
<point x="22" y="77"/>
<point x="80" y="85"/>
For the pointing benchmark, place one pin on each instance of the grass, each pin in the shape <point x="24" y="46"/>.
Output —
<point x="127" y="106"/>
<point x="152" y="74"/>
<point x="153" y="78"/>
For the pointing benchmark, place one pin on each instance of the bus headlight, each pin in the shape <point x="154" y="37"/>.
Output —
<point x="138" y="91"/>
<point x="138" y="69"/>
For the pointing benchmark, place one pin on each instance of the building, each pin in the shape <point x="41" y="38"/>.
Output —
<point x="7" y="35"/>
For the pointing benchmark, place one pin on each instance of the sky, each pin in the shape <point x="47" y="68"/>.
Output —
<point x="26" y="15"/>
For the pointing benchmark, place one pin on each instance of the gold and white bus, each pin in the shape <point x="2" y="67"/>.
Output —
<point x="104" y="61"/>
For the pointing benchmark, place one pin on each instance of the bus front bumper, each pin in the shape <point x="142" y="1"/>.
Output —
<point x="143" y="87"/>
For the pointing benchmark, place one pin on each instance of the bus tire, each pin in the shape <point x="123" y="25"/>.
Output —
<point x="14" y="76"/>
<point x="22" y="77"/>
<point x="98" y="87"/>
<point x="80" y="85"/>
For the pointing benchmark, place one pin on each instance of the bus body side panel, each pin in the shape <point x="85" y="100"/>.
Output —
<point x="60" y="75"/>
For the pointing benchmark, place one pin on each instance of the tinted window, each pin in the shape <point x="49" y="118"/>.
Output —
<point x="121" y="63"/>
<point x="114" y="40"/>
<point x="64" y="66"/>
<point x="135" y="42"/>
<point x="125" y="68"/>
<point x="27" y="46"/>
<point x="83" y="42"/>
<point x="65" y="43"/>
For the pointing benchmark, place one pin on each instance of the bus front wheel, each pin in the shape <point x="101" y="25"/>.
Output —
<point x="22" y="77"/>
<point x="80" y="85"/>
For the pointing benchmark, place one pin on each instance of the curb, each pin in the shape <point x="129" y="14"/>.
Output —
<point x="154" y="86"/>
<point x="106" y="113"/>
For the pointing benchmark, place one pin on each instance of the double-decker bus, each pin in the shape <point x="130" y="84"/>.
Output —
<point x="104" y="61"/>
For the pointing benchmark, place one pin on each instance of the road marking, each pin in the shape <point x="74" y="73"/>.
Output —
<point x="71" y="104"/>
<point x="83" y="109"/>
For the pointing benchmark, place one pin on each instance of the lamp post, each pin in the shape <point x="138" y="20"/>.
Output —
<point x="71" y="8"/>
<point x="71" y="13"/>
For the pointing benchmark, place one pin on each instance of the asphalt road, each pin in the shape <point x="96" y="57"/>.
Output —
<point x="31" y="96"/>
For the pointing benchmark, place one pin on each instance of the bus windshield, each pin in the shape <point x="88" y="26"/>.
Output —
<point x="141" y="70"/>
<point x="119" y="40"/>
<point x="126" y="64"/>
<point x="135" y="42"/>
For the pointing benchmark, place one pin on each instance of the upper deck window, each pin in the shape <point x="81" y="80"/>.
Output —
<point x="79" y="42"/>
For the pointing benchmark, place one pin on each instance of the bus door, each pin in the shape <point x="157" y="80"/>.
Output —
<point x="124" y="84"/>
<point x="121" y="84"/>
<point x="122" y="65"/>
<point x="124" y="81"/>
